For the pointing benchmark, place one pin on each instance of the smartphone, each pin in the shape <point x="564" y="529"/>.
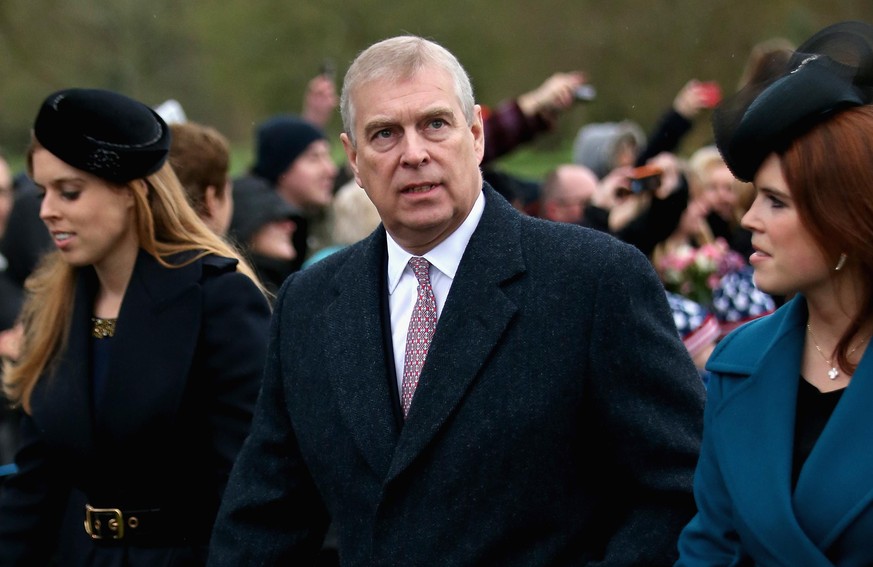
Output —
<point x="711" y="94"/>
<point x="328" y="68"/>
<point x="585" y="93"/>
<point x="645" y="178"/>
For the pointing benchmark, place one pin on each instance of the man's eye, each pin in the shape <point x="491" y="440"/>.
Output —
<point x="383" y="134"/>
<point x="437" y="123"/>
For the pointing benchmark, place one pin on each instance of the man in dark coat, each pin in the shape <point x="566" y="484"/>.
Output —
<point x="557" y="416"/>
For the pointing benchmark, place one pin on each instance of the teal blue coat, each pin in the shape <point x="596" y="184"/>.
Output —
<point x="746" y="509"/>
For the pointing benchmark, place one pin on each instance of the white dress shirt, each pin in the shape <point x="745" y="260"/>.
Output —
<point x="403" y="285"/>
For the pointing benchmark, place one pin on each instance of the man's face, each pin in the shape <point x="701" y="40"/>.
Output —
<point x="416" y="156"/>
<point x="576" y="186"/>
<point x="308" y="182"/>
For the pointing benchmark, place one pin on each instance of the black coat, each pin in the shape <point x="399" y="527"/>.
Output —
<point x="557" y="420"/>
<point x="183" y="375"/>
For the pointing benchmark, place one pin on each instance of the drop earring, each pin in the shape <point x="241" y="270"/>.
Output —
<point x="841" y="262"/>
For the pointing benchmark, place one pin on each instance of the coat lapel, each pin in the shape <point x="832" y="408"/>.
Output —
<point x="358" y="366"/>
<point x="476" y="314"/>
<point x="71" y="381"/>
<point x="149" y="361"/>
<point x="842" y="461"/>
<point x="155" y="344"/>
<point x="758" y="418"/>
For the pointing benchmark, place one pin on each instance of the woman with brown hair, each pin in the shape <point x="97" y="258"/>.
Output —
<point x="785" y="475"/>
<point x="145" y="336"/>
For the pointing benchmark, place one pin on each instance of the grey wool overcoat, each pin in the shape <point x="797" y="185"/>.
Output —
<point x="557" y="419"/>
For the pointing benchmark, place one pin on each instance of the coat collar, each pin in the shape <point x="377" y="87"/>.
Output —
<point x="475" y="315"/>
<point x="151" y="353"/>
<point x="758" y="416"/>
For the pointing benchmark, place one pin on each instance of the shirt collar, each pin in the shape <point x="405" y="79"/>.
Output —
<point x="445" y="256"/>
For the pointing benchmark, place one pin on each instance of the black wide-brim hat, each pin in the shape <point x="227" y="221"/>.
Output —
<point x="829" y="72"/>
<point x="103" y="133"/>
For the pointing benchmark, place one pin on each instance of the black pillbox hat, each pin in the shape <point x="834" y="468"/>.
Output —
<point x="103" y="133"/>
<point x="829" y="72"/>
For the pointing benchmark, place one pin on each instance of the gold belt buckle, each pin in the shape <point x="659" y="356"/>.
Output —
<point x="93" y="526"/>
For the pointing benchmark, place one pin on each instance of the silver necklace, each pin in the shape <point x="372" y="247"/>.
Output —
<point x="833" y="372"/>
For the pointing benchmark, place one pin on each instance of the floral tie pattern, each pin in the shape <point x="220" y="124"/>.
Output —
<point x="422" y="325"/>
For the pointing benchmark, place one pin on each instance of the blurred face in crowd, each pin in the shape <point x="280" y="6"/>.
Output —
<point x="308" y="182"/>
<point x="786" y="258"/>
<point x="274" y="240"/>
<point x="718" y="187"/>
<point x="6" y="196"/>
<point x="416" y="155"/>
<point x="90" y="220"/>
<point x="625" y="153"/>
<point x="574" y="187"/>
<point x="220" y="207"/>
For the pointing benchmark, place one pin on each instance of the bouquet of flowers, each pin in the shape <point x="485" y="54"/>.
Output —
<point x="696" y="272"/>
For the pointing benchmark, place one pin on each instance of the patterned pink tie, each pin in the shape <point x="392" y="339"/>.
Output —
<point x="422" y="324"/>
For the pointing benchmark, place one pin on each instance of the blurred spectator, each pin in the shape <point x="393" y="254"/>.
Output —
<point x="516" y="121"/>
<point x="609" y="149"/>
<point x="11" y="300"/>
<point x="26" y="239"/>
<point x="200" y="156"/>
<point x="293" y="157"/>
<point x="701" y="262"/>
<point x="7" y="198"/>
<point x="262" y="226"/>
<point x="565" y="193"/>
<point x="320" y="99"/>
<point x="605" y="146"/>
<point x="353" y="217"/>
<point x="725" y="198"/>
<point x="523" y="194"/>
<point x="767" y="59"/>
<point x="643" y="217"/>
<point x="694" y="97"/>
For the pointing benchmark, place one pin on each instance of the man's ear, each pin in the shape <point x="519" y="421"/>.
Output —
<point x="351" y="155"/>
<point x="478" y="130"/>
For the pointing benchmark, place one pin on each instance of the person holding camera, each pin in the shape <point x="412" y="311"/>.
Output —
<point x="649" y="203"/>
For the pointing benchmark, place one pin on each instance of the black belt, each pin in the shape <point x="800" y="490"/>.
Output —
<point x="114" y="524"/>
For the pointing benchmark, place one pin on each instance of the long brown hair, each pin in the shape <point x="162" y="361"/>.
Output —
<point x="828" y="170"/>
<point x="165" y="224"/>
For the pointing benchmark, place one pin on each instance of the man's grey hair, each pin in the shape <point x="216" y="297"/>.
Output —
<point x="399" y="58"/>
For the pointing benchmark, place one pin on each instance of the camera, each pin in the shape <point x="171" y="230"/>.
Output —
<point x="585" y="93"/>
<point x="327" y="68"/>
<point x="711" y="94"/>
<point x="645" y="178"/>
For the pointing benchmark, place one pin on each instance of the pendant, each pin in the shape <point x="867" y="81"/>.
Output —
<point x="833" y="373"/>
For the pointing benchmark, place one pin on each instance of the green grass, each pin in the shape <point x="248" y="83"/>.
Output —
<point x="532" y="163"/>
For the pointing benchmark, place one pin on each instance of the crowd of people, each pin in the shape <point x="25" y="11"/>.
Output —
<point x="644" y="358"/>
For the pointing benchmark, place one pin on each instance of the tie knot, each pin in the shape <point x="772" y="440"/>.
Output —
<point x="420" y="267"/>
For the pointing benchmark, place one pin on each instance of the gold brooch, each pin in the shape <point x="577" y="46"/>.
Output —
<point x="102" y="328"/>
